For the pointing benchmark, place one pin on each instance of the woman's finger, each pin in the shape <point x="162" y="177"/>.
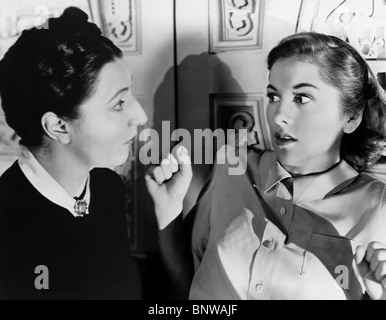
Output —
<point x="378" y="257"/>
<point x="158" y="175"/>
<point x="372" y="249"/>
<point x="363" y="265"/>
<point x="380" y="273"/>
<point x="173" y="164"/>
<point x="184" y="161"/>
<point x="166" y="168"/>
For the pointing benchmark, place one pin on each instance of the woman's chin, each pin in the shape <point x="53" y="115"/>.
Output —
<point x="120" y="160"/>
<point x="124" y="159"/>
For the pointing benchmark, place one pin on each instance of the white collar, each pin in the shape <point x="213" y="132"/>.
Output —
<point x="47" y="185"/>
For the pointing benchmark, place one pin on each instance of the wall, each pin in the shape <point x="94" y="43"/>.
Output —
<point x="154" y="84"/>
<point x="201" y="74"/>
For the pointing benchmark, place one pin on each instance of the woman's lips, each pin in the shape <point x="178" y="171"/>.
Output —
<point x="131" y="140"/>
<point x="284" y="140"/>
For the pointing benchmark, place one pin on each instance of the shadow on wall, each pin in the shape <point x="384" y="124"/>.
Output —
<point x="192" y="81"/>
<point x="195" y="77"/>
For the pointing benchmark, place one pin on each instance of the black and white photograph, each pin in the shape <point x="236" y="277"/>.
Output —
<point x="192" y="153"/>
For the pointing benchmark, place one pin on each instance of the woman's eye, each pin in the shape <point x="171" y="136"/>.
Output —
<point x="273" y="98"/>
<point x="302" y="99"/>
<point x="119" y="106"/>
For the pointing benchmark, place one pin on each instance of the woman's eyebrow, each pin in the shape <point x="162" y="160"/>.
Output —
<point x="118" y="93"/>
<point x="271" y="87"/>
<point x="305" y="85"/>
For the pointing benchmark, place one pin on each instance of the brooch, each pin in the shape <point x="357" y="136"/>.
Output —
<point x="80" y="208"/>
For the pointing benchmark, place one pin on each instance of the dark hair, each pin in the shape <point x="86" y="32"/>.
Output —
<point x="342" y="67"/>
<point x="53" y="69"/>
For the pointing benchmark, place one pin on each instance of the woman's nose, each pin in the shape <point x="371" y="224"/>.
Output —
<point x="282" y="114"/>
<point x="140" y="115"/>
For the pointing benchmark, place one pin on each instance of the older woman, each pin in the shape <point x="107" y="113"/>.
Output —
<point x="67" y="92"/>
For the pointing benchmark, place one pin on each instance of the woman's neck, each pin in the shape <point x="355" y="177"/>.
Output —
<point x="64" y="168"/>
<point x="313" y="167"/>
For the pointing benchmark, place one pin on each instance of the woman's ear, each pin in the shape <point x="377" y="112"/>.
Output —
<point x="352" y="123"/>
<point x="56" y="128"/>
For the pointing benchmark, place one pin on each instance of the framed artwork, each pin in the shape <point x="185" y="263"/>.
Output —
<point x="236" y="25"/>
<point x="121" y="23"/>
<point x="241" y="111"/>
<point x="360" y="22"/>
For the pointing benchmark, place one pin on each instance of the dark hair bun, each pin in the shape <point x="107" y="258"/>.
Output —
<point x="52" y="69"/>
<point x="75" y="22"/>
<point x="75" y="15"/>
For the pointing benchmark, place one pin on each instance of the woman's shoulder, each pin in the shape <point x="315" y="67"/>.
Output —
<point x="15" y="189"/>
<point x="235" y="161"/>
<point x="378" y="172"/>
<point x="12" y="180"/>
<point x="371" y="186"/>
<point x="106" y="183"/>
<point x="10" y="172"/>
<point x="105" y="175"/>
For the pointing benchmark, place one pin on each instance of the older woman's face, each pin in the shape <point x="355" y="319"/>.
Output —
<point x="305" y="116"/>
<point x="109" y="120"/>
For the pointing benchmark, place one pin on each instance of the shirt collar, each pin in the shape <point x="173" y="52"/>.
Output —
<point x="47" y="185"/>
<point x="307" y="188"/>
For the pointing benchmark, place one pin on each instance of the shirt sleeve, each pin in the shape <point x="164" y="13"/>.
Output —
<point x="200" y="215"/>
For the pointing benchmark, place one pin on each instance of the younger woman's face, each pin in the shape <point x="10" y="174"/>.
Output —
<point x="109" y="120"/>
<point x="305" y="116"/>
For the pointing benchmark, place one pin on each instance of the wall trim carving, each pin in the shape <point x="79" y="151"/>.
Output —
<point x="236" y="25"/>
<point x="122" y="24"/>
<point x="241" y="111"/>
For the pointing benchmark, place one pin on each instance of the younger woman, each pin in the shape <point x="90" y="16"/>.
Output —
<point x="305" y="222"/>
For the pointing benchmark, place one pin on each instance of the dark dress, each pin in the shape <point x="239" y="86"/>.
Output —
<point x="87" y="258"/>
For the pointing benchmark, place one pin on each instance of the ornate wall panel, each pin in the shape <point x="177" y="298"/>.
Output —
<point x="121" y="22"/>
<point x="236" y="25"/>
<point x="241" y="111"/>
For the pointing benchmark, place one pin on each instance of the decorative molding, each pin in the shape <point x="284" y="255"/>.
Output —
<point x="121" y="23"/>
<point x="236" y="25"/>
<point x="361" y="23"/>
<point x="241" y="111"/>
